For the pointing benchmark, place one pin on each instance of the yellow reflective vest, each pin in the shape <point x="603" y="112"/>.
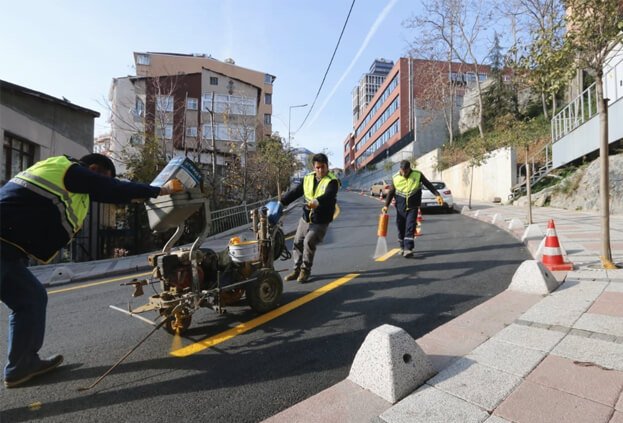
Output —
<point x="406" y="187"/>
<point x="45" y="178"/>
<point x="308" y="185"/>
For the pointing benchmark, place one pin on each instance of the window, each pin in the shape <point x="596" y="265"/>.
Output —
<point x="213" y="80"/>
<point x="136" y="139"/>
<point x="230" y="104"/>
<point x="268" y="79"/>
<point x="482" y="76"/>
<point x="165" y="132"/>
<point x="267" y="119"/>
<point x="19" y="155"/>
<point x="164" y="103"/>
<point x="268" y="98"/>
<point x="142" y="59"/>
<point x="191" y="131"/>
<point x="139" y="109"/>
<point x="192" y="103"/>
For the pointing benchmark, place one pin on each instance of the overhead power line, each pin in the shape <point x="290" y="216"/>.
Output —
<point x="328" y="67"/>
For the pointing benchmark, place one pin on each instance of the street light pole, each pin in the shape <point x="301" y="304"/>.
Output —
<point x="290" y="120"/>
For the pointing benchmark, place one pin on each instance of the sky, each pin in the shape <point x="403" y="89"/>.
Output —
<point x="73" y="49"/>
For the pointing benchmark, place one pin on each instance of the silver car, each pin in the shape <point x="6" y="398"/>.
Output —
<point x="429" y="201"/>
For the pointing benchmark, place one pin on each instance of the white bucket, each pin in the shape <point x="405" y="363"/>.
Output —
<point x="244" y="251"/>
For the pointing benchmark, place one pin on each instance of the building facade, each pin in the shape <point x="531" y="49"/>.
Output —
<point x="410" y="110"/>
<point x="193" y="105"/>
<point x="35" y="126"/>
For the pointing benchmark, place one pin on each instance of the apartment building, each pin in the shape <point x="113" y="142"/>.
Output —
<point x="183" y="100"/>
<point x="410" y="110"/>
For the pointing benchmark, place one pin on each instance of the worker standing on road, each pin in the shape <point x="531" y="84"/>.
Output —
<point x="407" y="188"/>
<point x="320" y="191"/>
<point x="41" y="210"/>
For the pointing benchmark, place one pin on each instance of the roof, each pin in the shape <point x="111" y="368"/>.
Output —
<point x="45" y="97"/>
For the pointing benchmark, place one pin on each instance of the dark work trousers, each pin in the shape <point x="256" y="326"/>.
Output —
<point x="308" y="236"/>
<point x="27" y="298"/>
<point x="405" y="223"/>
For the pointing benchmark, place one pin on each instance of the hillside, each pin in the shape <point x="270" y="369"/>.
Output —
<point x="579" y="190"/>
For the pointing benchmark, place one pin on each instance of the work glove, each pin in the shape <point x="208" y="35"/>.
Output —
<point x="313" y="204"/>
<point x="440" y="200"/>
<point x="384" y="210"/>
<point x="172" y="186"/>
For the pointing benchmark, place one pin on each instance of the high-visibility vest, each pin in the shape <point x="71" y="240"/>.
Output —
<point x="308" y="185"/>
<point x="46" y="178"/>
<point x="406" y="187"/>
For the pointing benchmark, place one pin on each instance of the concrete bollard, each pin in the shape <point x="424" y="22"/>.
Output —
<point x="515" y="224"/>
<point x="497" y="219"/>
<point x="465" y="210"/>
<point x="476" y="213"/>
<point x="61" y="274"/>
<point x="532" y="231"/>
<point x="532" y="277"/>
<point x="390" y="364"/>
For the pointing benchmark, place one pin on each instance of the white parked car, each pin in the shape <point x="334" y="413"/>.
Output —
<point x="429" y="201"/>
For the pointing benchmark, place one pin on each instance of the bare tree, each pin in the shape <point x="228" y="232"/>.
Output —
<point x="457" y="26"/>
<point x="595" y="30"/>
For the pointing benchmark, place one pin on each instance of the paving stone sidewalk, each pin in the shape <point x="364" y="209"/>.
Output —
<point x="517" y="357"/>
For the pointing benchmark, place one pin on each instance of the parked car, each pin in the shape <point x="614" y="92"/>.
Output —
<point x="379" y="189"/>
<point x="429" y="201"/>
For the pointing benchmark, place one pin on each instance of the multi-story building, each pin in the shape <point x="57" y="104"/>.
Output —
<point x="369" y="84"/>
<point x="411" y="109"/>
<point x="182" y="100"/>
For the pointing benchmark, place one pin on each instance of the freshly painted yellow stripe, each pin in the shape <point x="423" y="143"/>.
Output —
<point x="73" y="288"/>
<point x="388" y="254"/>
<point x="260" y="320"/>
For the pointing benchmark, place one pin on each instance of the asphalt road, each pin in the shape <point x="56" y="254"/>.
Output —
<point x="262" y="370"/>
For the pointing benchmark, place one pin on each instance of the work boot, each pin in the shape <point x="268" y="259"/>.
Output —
<point x="42" y="367"/>
<point x="294" y="275"/>
<point x="407" y="253"/>
<point x="304" y="276"/>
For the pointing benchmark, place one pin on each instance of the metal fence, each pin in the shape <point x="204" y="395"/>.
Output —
<point x="584" y="106"/>
<point x="233" y="217"/>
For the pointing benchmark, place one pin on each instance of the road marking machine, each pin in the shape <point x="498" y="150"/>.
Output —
<point x="187" y="279"/>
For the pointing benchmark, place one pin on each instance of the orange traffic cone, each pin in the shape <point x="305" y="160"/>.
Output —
<point x="418" y="223"/>
<point x="552" y="256"/>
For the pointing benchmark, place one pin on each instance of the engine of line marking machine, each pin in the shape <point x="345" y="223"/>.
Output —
<point x="175" y="270"/>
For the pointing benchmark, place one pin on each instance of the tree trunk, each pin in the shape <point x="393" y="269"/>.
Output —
<point x="528" y="188"/>
<point x="471" y="186"/>
<point x="604" y="183"/>
<point x="544" y="103"/>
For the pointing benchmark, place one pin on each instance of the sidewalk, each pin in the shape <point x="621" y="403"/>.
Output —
<point x="518" y="357"/>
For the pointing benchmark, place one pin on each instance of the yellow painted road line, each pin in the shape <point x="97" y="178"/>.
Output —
<point x="73" y="288"/>
<point x="260" y="320"/>
<point x="388" y="254"/>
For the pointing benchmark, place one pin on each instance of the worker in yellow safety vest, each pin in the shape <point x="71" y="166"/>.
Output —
<point x="42" y="208"/>
<point x="407" y="189"/>
<point x="319" y="189"/>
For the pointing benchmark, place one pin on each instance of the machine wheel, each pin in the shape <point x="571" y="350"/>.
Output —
<point x="279" y="243"/>
<point x="178" y="325"/>
<point x="264" y="293"/>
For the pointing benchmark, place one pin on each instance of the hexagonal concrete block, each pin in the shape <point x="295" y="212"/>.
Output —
<point x="465" y="210"/>
<point x="390" y="364"/>
<point x="497" y="219"/>
<point x="532" y="277"/>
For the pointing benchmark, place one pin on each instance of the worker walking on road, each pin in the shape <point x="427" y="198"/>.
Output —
<point x="320" y="191"/>
<point x="407" y="188"/>
<point x="41" y="210"/>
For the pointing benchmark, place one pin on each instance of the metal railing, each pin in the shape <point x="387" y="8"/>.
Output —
<point x="233" y="217"/>
<point x="584" y="106"/>
<point x="536" y="174"/>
